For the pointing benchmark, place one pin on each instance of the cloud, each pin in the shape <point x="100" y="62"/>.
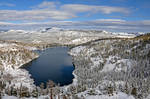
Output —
<point x="146" y="22"/>
<point x="34" y="15"/>
<point x="78" y="8"/>
<point x="7" y="4"/>
<point x="117" y="21"/>
<point x="5" y="23"/>
<point x="46" y="5"/>
<point x="113" y="25"/>
<point x="56" y="11"/>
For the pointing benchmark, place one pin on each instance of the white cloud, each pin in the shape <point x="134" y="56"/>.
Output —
<point x="56" y="11"/>
<point x="5" y="23"/>
<point x="115" y="25"/>
<point x="118" y="21"/>
<point x="146" y="22"/>
<point x="34" y="15"/>
<point x="92" y="8"/>
<point x="47" y="5"/>
<point x="7" y="4"/>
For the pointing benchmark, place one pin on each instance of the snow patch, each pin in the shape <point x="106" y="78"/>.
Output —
<point x="120" y="95"/>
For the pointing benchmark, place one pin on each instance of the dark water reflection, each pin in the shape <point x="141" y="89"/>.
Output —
<point x="53" y="64"/>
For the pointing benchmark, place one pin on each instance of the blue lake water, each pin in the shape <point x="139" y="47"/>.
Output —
<point x="53" y="64"/>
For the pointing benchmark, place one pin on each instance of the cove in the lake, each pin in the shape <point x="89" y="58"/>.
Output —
<point x="53" y="64"/>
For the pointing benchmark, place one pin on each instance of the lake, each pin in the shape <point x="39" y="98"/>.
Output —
<point x="53" y="64"/>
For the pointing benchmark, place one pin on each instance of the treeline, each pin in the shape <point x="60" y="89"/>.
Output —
<point x="48" y="91"/>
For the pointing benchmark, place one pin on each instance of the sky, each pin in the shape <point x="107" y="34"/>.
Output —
<point x="111" y="15"/>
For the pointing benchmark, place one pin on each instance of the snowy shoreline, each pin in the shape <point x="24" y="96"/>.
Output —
<point x="13" y="57"/>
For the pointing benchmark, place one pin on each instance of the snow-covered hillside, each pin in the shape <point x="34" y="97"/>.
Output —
<point x="12" y="57"/>
<point x="109" y="66"/>
<point x="59" y="36"/>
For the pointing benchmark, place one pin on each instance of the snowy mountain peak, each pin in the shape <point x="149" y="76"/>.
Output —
<point x="49" y="29"/>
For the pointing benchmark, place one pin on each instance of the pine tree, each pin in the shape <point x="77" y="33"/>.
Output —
<point x="42" y="88"/>
<point x="50" y="85"/>
<point x="134" y="91"/>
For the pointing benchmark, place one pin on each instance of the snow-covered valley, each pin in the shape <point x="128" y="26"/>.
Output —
<point x="104" y="69"/>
